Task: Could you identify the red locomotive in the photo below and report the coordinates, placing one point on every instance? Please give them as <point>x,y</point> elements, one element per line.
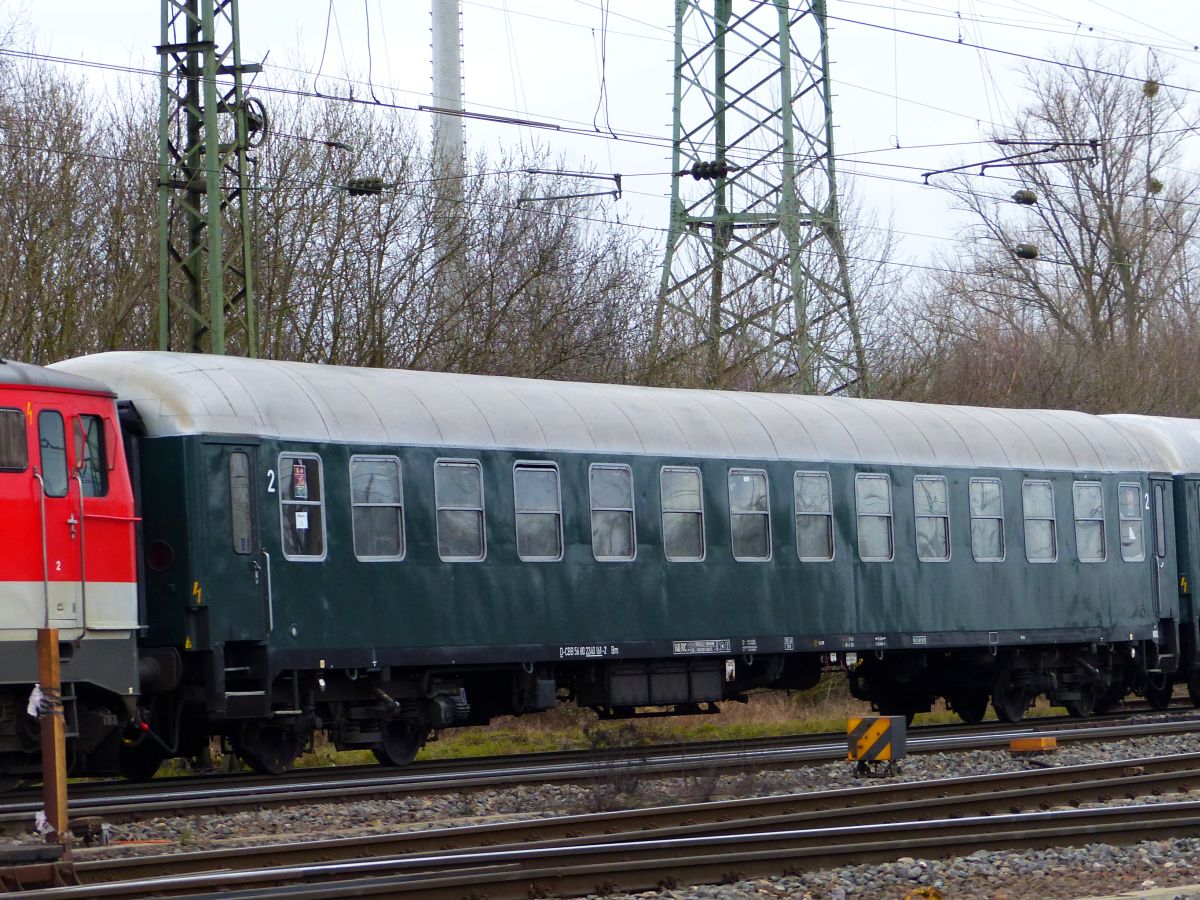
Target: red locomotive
<point>68,562</point>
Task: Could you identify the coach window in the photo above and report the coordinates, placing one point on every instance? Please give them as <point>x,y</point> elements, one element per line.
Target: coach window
<point>611,490</point>
<point>14,446</point>
<point>1160,521</point>
<point>239,501</point>
<point>873,499</point>
<point>1041,537</point>
<point>1133,543</point>
<point>987,519</point>
<point>932,518</point>
<point>682,513</point>
<point>53,439</point>
<point>1088,498</point>
<point>814,516</point>
<point>458,493</point>
<point>377,504</point>
<point>302,506</point>
<point>539,512</point>
<point>89,455</point>
<point>749,515</point>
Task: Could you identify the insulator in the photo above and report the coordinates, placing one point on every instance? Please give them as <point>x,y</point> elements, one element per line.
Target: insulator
<point>358,187</point>
<point>697,170</point>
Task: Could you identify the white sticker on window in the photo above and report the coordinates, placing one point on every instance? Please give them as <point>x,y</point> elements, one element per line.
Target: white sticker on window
<point>302,520</point>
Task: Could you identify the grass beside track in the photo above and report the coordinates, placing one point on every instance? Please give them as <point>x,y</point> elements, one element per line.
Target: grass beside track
<point>822,709</point>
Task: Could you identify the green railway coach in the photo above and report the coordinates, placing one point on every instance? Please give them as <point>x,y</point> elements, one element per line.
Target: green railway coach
<point>380,553</point>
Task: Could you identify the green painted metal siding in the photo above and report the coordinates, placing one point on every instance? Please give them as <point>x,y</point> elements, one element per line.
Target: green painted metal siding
<point>503,602</point>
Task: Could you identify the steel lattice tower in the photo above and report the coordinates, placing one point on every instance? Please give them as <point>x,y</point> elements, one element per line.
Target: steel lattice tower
<point>756,268</point>
<point>205,277</point>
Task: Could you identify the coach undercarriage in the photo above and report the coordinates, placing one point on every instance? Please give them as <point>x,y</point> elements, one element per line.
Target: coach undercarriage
<point>1086,679</point>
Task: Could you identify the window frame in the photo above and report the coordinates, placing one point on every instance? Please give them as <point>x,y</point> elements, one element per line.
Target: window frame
<point>828,516</point>
<point>1053,520</point>
<point>1077,519</point>
<point>482,509</point>
<point>918,516</point>
<point>890,516</point>
<point>400,506</point>
<point>663,511</point>
<point>283,501</point>
<point>632,510</point>
<point>545,465</point>
<point>741,470</point>
<point>20,417</point>
<point>85,444</point>
<point>1122,519</point>
<point>1000,518</point>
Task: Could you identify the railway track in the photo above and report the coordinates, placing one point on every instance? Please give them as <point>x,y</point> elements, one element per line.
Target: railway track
<point>694,843</point>
<point>120,801</point>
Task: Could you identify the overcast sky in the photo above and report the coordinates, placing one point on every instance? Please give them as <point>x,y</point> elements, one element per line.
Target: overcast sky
<point>905,75</point>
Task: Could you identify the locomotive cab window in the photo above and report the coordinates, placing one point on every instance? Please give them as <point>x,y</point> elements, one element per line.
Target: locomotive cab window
<point>14,446</point>
<point>1132,528</point>
<point>458,493</point>
<point>814,516</point>
<point>539,512</point>
<point>987,519</point>
<point>682,513</point>
<point>873,502</point>
<point>302,506</point>
<point>377,507</point>
<point>1041,531</point>
<point>89,455</point>
<point>610,488</point>
<point>1088,499</point>
<point>749,515</point>
<point>52,438</point>
<point>932,510</point>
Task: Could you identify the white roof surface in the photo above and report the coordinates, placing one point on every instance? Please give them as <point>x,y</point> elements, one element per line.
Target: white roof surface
<point>180,393</point>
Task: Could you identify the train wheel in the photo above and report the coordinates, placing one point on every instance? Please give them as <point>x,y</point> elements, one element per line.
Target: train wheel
<point>1194,687</point>
<point>971,707</point>
<point>140,761</point>
<point>401,741</point>
<point>1085,705</point>
<point>1159,696</point>
<point>267,749</point>
<point>1009,702</point>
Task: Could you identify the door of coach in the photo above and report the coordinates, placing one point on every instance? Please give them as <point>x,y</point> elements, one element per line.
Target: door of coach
<point>1166,591</point>
<point>239,568</point>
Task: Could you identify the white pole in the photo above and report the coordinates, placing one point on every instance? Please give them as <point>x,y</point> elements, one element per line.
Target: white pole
<point>447,86</point>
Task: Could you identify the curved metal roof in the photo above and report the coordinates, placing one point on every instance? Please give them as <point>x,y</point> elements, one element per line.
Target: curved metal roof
<point>1176,441</point>
<point>189,394</point>
<point>24,374</point>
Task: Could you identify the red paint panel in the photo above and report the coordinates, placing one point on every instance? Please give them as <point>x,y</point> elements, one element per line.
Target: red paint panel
<point>102,526</point>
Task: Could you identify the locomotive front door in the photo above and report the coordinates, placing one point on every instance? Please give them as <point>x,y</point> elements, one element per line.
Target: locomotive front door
<point>60,515</point>
<point>239,567</point>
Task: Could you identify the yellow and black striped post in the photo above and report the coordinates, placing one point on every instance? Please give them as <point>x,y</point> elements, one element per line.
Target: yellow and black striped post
<point>876,739</point>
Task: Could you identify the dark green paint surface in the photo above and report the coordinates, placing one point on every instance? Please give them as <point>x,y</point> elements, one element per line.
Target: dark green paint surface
<point>422,602</point>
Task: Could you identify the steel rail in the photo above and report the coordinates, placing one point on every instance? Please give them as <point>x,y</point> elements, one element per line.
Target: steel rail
<point>300,777</point>
<point>632,864</point>
<point>133,802</point>
<point>874,803</point>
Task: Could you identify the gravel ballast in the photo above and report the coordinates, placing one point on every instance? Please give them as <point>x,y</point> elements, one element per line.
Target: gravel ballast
<point>1060,872</point>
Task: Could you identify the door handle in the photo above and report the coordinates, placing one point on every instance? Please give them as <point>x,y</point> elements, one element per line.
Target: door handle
<point>256,569</point>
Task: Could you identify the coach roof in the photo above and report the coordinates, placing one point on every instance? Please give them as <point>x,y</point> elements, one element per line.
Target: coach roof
<point>179,394</point>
